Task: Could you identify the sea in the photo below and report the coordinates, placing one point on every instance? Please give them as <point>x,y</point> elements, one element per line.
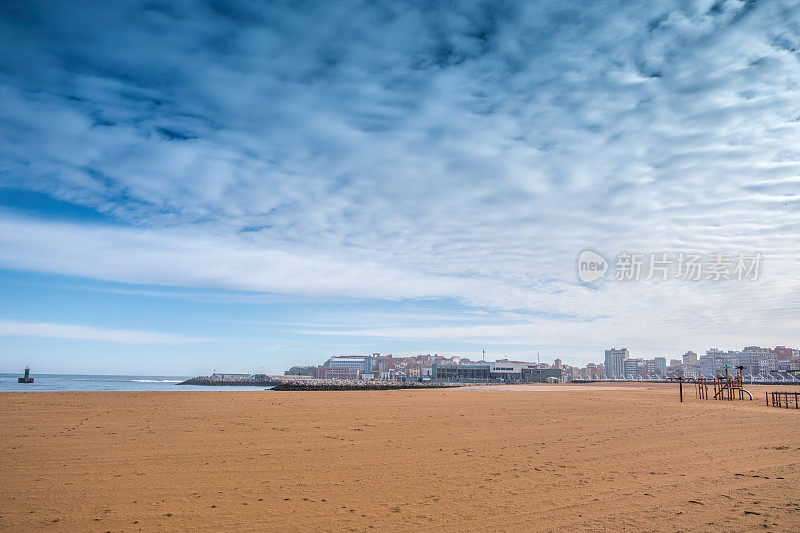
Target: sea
<point>76,382</point>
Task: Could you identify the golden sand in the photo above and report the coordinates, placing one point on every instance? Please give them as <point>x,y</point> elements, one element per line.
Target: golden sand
<point>514,458</point>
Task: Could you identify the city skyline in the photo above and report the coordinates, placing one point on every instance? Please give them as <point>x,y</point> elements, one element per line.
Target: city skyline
<point>195,185</point>
<point>780,363</point>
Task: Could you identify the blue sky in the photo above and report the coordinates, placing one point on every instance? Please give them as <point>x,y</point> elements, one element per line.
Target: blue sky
<point>188,186</point>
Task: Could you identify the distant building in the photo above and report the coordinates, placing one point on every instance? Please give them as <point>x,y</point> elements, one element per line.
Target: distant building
<point>571,373</point>
<point>338,372</point>
<point>715,361</point>
<point>362,363</point>
<point>466,372</point>
<point>690,358</point>
<point>630,368</point>
<point>541,375</point>
<point>509,371</point>
<point>660,365</point>
<point>558,364</point>
<point>414,371</point>
<point>762,360</point>
<point>593,371</point>
<point>710,362</point>
<point>783,353</point>
<point>305,371</point>
<point>614,362</point>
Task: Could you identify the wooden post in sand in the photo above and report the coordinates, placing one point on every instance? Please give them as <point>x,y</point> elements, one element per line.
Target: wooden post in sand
<point>740,381</point>
<point>702,389</point>
<point>680,380</point>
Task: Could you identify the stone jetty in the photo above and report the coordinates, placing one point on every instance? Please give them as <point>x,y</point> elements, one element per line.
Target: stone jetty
<point>337,384</point>
<point>213,381</point>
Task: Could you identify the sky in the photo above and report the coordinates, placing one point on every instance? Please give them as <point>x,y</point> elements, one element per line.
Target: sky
<point>191,186</point>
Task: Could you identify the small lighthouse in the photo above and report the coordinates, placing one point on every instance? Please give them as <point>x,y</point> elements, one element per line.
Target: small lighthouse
<point>27,377</point>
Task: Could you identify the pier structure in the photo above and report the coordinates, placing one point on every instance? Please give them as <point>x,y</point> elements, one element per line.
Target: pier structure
<point>27,377</point>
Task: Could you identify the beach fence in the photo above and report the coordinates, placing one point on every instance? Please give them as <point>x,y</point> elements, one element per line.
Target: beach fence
<point>788,400</point>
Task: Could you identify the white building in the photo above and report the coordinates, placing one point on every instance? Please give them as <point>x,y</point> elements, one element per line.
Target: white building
<point>509,370</point>
<point>614,364</point>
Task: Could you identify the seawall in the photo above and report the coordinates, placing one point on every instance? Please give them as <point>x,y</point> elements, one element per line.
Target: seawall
<point>211,382</point>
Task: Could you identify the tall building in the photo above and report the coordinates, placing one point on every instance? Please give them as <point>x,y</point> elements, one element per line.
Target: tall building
<point>690,358</point>
<point>715,361</point>
<point>710,362</point>
<point>614,364</point>
<point>630,367</point>
<point>761,360</point>
<point>660,365</point>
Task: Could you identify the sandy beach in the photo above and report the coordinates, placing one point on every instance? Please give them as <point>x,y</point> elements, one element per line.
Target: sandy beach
<point>588,457</point>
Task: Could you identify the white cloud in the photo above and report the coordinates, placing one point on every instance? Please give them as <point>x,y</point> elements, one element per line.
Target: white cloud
<point>464,152</point>
<point>88,333</point>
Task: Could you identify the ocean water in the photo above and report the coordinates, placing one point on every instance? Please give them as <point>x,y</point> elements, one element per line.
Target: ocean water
<point>75,382</point>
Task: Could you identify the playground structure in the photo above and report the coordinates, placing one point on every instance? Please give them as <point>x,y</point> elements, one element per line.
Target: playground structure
<point>731,388</point>
<point>783,399</point>
<point>724,387</point>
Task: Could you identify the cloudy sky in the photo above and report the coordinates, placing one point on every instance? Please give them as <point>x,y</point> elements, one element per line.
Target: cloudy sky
<point>188,186</point>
